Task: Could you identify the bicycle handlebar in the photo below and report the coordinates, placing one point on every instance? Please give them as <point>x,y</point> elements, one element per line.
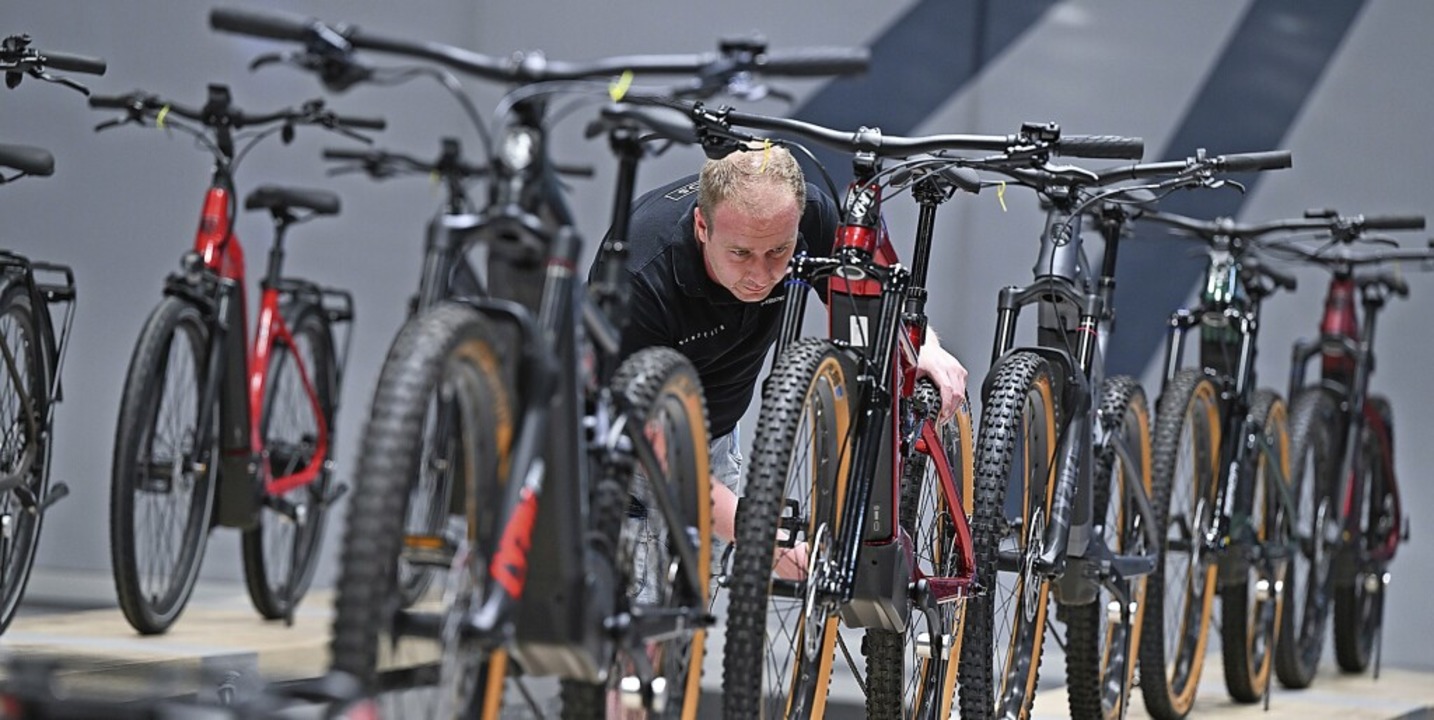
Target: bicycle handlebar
<point>534,67</point>
<point>312,112</point>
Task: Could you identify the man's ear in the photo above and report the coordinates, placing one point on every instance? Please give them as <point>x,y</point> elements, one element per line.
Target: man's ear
<point>699,226</point>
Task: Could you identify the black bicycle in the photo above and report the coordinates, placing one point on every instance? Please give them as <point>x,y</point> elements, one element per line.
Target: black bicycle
<point>549,466</point>
<point>1222,461</point>
<point>32,352</point>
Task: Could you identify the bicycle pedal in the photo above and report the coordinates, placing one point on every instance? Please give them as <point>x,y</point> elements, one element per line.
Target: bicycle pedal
<point>59,491</point>
<point>428,550</point>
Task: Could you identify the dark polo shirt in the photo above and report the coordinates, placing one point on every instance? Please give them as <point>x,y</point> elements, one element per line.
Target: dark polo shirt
<point>675,304</point>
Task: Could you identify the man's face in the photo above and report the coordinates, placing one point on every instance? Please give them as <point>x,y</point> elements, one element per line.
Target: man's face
<point>747,253</point>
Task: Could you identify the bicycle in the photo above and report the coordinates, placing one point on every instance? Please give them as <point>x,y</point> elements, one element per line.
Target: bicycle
<point>1221,461</point>
<point>1063,489</point>
<point>560,450</point>
<point>32,353</point>
<point>211,433</point>
<point>1343,435</point>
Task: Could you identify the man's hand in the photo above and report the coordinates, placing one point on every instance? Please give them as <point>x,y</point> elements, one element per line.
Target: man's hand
<point>945,370</point>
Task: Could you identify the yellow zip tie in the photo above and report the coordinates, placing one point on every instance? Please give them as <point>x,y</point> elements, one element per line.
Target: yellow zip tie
<point>1001,195</point>
<point>159,119</point>
<point>620,86</point>
<point>766,154</point>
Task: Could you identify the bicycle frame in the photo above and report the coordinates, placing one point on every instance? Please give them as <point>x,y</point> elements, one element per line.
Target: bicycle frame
<point>876,314</point>
<point>1070,556</point>
<point>215,280</point>
<point>1347,359</point>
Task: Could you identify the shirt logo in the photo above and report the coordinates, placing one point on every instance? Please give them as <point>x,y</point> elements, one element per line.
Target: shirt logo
<point>702,335</point>
<point>683,191</point>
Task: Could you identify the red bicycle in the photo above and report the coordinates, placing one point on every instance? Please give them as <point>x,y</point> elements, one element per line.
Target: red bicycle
<point>209,433</point>
<point>1342,437</point>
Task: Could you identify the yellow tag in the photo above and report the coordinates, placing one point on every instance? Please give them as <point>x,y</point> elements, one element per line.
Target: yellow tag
<point>766,154</point>
<point>159,118</point>
<point>620,86</point>
<point>1001,195</point>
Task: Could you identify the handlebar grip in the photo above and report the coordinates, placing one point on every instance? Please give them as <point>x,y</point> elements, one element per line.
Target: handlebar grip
<point>1249,162</point>
<point>1113,147</point>
<point>109,102</point>
<point>801,62</point>
<point>341,154</point>
<point>1394,222</point>
<point>361,123</point>
<point>74,63</point>
<point>269,24</point>
<point>582,171</point>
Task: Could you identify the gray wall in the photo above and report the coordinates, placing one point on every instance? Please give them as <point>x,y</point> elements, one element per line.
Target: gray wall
<point>1117,66</point>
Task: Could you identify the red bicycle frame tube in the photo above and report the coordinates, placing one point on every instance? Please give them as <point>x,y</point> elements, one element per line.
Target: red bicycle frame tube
<point>222,253</point>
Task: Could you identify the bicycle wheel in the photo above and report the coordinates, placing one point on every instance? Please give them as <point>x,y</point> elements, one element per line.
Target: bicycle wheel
<point>443,357</point>
<point>1015,451</point>
<point>661,393</point>
<point>913,674</point>
<point>779,646</point>
<point>1185,475</point>
<point>1359,590</point>
<point>1103,637</point>
<point>1250,610</point>
<point>281,550</point>
<point>24,446</point>
<point>162,482</point>
<point>1314,472</point>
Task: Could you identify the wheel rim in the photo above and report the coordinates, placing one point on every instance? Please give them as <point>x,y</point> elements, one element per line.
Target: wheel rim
<point>168,494</point>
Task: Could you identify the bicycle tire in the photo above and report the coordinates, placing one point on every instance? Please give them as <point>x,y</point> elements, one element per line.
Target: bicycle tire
<point>660,391</point>
<point>907,678</point>
<point>1314,472</point>
<point>999,673</point>
<point>19,330</point>
<point>808,379</point>
<point>446,354</point>
<point>173,326</point>
<point>1172,658</point>
<point>1250,611</point>
<point>1359,587</point>
<point>1102,637</point>
<point>281,550</point>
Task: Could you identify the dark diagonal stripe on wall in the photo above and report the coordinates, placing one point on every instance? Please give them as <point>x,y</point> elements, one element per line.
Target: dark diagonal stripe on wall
<point>921,60</point>
<point>1249,101</point>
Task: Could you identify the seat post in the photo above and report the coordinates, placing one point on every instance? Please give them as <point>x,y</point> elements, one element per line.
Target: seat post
<point>282,219</point>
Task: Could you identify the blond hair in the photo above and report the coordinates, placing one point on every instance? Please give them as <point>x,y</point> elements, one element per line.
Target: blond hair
<point>732,178</point>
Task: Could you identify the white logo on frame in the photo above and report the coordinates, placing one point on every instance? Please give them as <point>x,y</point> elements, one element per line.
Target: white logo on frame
<point>858,330</point>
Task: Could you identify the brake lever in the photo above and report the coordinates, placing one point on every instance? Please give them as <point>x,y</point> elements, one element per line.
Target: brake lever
<point>347,132</point>
<point>59,80</point>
